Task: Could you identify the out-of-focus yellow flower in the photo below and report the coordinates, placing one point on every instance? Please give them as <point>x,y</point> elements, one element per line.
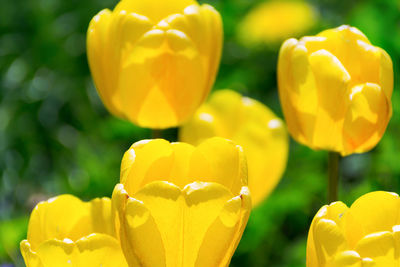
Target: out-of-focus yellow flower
<point>335,90</point>
<point>64,231</point>
<point>274,21</point>
<point>249,123</point>
<point>155,61</point>
<point>180,205</point>
<point>366,234</point>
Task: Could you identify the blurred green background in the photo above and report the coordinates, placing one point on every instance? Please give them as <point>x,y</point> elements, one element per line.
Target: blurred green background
<point>56,137</point>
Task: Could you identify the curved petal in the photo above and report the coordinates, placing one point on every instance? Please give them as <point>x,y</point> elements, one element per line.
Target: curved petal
<point>366,119</point>
<point>373,212</point>
<point>351,258</point>
<point>332,213</point>
<point>102,62</point>
<point>119,201</point>
<point>332,81</point>
<point>386,73</point>
<point>156,89</point>
<point>219,160</point>
<point>92,250</point>
<point>56,252</point>
<point>31,259</point>
<point>227,106</point>
<point>203,125</point>
<point>165,225</point>
<point>138,159</point>
<point>64,216</point>
<point>153,9</point>
<point>100,250</point>
<point>329,239</point>
<point>286,84</point>
<point>380,247</point>
<point>203,24</point>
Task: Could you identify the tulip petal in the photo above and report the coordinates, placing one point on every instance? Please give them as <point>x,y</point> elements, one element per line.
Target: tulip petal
<point>366,118</point>
<point>110,35</point>
<point>379,247</point>
<point>155,10</point>
<point>221,161</point>
<point>66,216</point>
<point>332,82</point>
<point>31,258</point>
<point>134,168</point>
<point>92,250</point>
<point>329,239</point>
<point>202,126</point>
<point>203,25</point>
<point>99,59</point>
<point>286,85</point>
<point>100,250</point>
<point>265,143</point>
<point>100,214</point>
<point>386,73</point>
<point>167,225</point>
<point>373,212</point>
<point>304,94</point>
<point>333,213</point>
<point>218,242</point>
<point>350,258</point>
<point>150,92</point>
<point>58,253</point>
<point>61,217</point>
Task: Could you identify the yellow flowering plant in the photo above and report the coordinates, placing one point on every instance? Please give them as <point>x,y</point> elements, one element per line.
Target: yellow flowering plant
<point>335,89</point>
<point>64,231</point>
<point>180,205</point>
<point>154,62</point>
<point>366,234</point>
<point>249,123</point>
<point>271,22</point>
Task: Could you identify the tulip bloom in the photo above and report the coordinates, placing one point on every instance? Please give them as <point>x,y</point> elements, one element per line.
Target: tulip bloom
<point>154,62</point>
<point>249,123</point>
<point>366,234</point>
<point>274,21</point>
<point>335,89</point>
<point>180,205</point>
<point>64,231</point>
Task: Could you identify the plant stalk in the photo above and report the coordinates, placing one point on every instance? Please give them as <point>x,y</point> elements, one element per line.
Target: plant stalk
<point>333,176</point>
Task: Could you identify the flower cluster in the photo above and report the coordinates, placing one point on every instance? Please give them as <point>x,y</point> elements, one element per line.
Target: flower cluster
<point>187,203</point>
<point>176,205</point>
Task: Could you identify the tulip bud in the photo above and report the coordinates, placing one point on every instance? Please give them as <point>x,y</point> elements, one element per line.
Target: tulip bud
<point>249,123</point>
<point>180,205</point>
<point>335,89</point>
<point>64,231</point>
<point>366,234</point>
<point>154,62</point>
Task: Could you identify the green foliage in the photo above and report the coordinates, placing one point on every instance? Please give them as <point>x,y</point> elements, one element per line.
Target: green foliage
<point>56,137</point>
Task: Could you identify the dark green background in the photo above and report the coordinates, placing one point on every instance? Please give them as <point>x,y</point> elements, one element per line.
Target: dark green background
<point>56,137</point>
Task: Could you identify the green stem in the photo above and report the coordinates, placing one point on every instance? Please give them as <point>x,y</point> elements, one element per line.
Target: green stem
<point>333,176</point>
<point>156,133</point>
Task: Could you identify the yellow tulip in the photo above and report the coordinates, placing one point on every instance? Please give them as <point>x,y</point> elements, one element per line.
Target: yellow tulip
<point>64,231</point>
<point>335,89</point>
<point>154,62</point>
<point>180,205</point>
<point>366,234</point>
<point>274,21</point>
<point>249,123</point>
